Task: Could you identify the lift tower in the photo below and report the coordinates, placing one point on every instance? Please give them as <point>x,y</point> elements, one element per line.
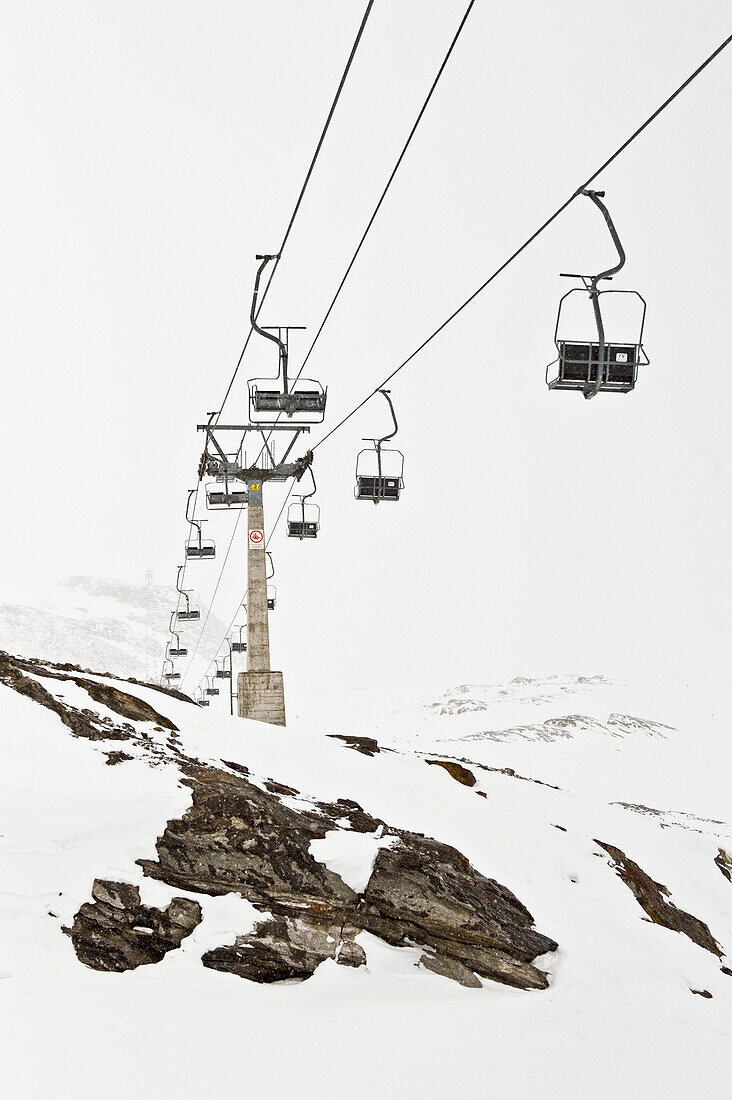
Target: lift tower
<point>260,690</point>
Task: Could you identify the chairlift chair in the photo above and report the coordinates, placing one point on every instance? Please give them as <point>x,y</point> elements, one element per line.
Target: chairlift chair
<point>222,494</point>
<point>303,520</point>
<point>176,650</point>
<point>190,613</point>
<point>198,547</point>
<point>238,645</point>
<point>173,674</point>
<point>202,700</point>
<point>222,672</point>
<point>271,597</point>
<point>211,688</point>
<point>594,363</point>
<point>379,470</point>
<point>304,399</point>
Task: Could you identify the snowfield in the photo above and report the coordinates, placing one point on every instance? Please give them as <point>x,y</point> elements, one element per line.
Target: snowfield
<point>619,1016</point>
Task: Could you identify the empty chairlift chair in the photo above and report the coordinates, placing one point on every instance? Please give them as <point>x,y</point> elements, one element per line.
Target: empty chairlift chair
<point>303,400</point>
<point>271,590</point>
<point>222,672</point>
<point>175,649</point>
<point>589,358</point>
<point>211,688</point>
<point>303,519</point>
<point>196,546</point>
<point>238,643</point>
<point>202,700</point>
<point>223,494</point>
<point>188,613</point>
<point>172,675</point>
<point>380,470</point>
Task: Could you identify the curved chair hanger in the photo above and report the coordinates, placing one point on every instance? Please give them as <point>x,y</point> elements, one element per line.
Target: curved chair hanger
<point>596,197</point>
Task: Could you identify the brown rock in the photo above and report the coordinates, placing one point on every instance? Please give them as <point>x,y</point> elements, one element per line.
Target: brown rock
<point>652,895</point>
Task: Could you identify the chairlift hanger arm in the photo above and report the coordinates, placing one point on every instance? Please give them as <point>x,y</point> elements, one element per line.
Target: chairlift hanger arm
<point>597,197</point>
<point>306,496</point>
<point>263,331</point>
<point>384,438</point>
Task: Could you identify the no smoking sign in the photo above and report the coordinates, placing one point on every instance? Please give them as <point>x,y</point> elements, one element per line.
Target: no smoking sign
<point>256,538</point>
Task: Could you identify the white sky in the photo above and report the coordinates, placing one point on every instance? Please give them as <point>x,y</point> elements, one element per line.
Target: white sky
<point>152,148</point>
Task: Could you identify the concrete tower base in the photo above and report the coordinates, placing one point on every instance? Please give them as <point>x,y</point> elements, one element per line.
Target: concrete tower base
<point>261,696</point>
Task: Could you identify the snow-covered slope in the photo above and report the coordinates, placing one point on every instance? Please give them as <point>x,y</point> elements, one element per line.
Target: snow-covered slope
<point>627,1010</point>
<point>96,623</point>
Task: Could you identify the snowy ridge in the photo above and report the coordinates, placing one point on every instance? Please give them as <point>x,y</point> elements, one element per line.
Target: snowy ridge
<point>618,981</point>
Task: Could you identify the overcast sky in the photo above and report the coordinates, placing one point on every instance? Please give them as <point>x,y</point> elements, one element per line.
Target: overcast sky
<point>152,147</point>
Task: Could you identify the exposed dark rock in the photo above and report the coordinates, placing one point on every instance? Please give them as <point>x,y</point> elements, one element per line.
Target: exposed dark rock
<point>422,891</point>
<point>129,706</point>
<point>240,768</point>
<point>118,895</point>
<point>457,771</point>
<point>652,896</point>
<point>368,746</point>
<point>118,757</point>
<point>237,837</point>
<point>280,948</point>
<point>702,993</point>
<point>451,968</point>
<point>116,932</point>
<point>351,954</point>
<point>80,722</point>
<point>280,788</point>
<point>358,819</point>
<point>724,862</point>
<point>84,722</point>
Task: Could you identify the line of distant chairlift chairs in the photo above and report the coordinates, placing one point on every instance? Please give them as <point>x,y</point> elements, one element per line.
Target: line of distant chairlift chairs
<point>583,363</point>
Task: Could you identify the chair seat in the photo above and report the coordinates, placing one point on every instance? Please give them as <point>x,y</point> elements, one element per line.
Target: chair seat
<point>276,401</point>
<point>297,529</point>
<point>377,488</point>
<point>578,365</point>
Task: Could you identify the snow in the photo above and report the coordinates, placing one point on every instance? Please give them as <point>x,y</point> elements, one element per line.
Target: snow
<point>350,855</point>
<point>619,1016</point>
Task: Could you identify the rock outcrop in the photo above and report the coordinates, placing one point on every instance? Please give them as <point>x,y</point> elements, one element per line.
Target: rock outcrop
<point>724,862</point>
<point>117,932</point>
<point>651,896</point>
<point>237,837</point>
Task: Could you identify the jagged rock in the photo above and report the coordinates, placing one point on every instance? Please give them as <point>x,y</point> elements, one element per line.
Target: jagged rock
<point>116,932</point>
<point>422,891</point>
<point>279,948</point>
<point>351,954</point>
<point>457,771</point>
<point>451,968</point>
<point>651,897</point>
<point>120,895</point>
<point>118,757</point>
<point>368,746</point>
<point>238,837</point>
<point>355,815</point>
<point>82,722</point>
<point>724,862</point>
